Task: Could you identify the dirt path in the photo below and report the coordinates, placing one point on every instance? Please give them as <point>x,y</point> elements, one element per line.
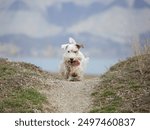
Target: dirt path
<point>66,96</point>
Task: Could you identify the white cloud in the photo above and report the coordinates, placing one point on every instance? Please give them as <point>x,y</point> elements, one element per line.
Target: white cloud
<point>130,2</point>
<point>43,4</point>
<point>89,2</point>
<point>48,51</point>
<point>117,24</point>
<point>4,4</point>
<point>148,1</point>
<point>31,23</point>
<point>9,49</point>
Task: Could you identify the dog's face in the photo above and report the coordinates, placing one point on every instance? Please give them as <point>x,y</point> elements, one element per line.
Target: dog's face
<point>72,54</point>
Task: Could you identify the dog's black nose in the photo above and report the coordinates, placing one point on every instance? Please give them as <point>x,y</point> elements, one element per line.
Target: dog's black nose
<point>71,59</point>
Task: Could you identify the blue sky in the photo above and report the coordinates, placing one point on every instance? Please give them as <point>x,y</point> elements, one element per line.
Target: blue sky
<point>107,28</point>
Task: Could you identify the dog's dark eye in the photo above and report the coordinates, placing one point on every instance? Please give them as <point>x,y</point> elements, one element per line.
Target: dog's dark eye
<point>68,51</point>
<point>75,51</point>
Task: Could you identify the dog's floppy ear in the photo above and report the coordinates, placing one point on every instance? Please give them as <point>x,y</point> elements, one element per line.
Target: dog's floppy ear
<point>64,46</point>
<point>79,46</point>
<point>71,40</point>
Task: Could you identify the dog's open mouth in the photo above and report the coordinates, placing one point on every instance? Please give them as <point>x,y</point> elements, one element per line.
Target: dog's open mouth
<point>74,62</point>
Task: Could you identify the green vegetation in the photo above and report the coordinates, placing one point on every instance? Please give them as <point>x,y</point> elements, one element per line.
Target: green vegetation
<point>125,87</point>
<point>19,87</point>
<point>23,100</point>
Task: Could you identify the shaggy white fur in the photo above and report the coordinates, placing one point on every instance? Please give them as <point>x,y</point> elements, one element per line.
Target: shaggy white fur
<point>73,62</point>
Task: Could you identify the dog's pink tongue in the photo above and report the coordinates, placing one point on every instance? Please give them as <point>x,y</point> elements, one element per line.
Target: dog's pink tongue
<point>76,63</point>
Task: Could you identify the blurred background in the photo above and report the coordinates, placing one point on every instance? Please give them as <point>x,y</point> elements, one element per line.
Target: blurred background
<point>33,30</point>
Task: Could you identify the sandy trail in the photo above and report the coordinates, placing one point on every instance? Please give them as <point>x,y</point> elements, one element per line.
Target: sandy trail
<point>67,96</point>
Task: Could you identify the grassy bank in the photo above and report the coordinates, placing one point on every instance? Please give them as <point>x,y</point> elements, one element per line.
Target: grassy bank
<point>19,84</point>
<point>125,87</point>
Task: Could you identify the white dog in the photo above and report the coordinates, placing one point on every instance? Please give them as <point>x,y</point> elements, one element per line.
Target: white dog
<point>74,62</point>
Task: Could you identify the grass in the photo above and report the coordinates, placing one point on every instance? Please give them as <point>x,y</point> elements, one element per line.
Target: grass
<point>19,87</point>
<point>110,102</point>
<point>107,93</point>
<point>23,100</point>
<point>7,70</point>
<point>126,86</point>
